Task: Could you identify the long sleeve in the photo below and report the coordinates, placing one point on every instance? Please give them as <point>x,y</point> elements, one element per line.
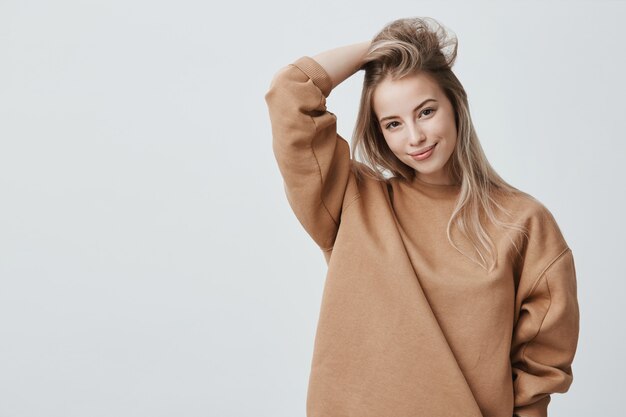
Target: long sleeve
<point>545,337</point>
<point>313,159</point>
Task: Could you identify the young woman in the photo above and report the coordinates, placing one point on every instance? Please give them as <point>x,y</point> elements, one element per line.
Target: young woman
<point>449,292</point>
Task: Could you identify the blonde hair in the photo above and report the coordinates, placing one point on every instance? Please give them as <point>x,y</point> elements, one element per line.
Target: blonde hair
<point>404,47</point>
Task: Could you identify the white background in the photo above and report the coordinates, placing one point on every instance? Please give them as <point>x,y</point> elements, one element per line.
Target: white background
<point>149,262</point>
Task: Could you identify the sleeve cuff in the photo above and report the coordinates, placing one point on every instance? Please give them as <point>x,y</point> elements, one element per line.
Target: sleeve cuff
<point>316,73</point>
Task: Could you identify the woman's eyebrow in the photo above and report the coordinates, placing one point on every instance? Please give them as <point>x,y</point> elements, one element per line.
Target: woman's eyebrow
<point>416,108</point>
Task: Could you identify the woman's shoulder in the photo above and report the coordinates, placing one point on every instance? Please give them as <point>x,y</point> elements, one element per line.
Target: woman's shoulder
<point>520,201</point>
<point>532,213</point>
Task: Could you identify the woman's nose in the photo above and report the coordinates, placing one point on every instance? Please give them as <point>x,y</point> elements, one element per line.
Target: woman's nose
<point>416,134</point>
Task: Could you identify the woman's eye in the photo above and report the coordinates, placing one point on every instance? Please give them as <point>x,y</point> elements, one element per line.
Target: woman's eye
<point>389,124</point>
<point>429,109</point>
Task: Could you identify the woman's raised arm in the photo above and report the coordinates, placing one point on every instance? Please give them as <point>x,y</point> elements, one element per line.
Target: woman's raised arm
<point>340,63</point>
<point>313,159</point>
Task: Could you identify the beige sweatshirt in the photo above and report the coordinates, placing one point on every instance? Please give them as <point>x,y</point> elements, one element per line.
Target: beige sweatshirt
<point>408,326</point>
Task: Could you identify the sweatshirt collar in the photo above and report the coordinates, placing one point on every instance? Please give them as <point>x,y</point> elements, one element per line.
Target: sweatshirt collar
<point>436,190</point>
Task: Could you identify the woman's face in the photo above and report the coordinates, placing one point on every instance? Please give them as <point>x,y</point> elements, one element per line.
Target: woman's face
<point>414,114</point>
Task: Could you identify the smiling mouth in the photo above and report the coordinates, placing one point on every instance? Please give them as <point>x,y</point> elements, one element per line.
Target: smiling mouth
<point>422,151</point>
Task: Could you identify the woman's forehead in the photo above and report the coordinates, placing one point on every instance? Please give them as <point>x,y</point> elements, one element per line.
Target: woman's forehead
<point>391,95</point>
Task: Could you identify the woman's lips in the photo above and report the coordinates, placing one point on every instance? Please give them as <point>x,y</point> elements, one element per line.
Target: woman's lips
<point>422,156</point>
